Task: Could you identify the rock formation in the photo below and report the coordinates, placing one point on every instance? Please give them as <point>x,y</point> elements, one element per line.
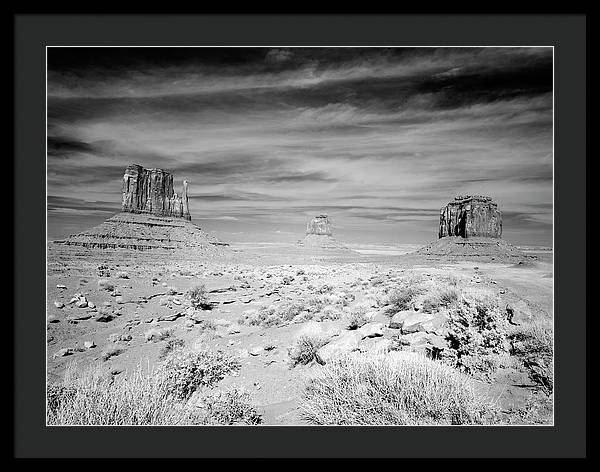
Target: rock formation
<point>151,191</point>
<point>319,235</point>
<point>471,216</point>
<point>471,228</point>
<point>319,225</point>
<point>153,217</point>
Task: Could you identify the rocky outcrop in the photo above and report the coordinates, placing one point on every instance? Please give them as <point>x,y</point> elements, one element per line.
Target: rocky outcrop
<point>154,217</point>
<point>151,191</point>
<point>143,232</point>
<point>471,216</point>
<point>319,235</point>
<point>319,225</point>
<point>471,229</point>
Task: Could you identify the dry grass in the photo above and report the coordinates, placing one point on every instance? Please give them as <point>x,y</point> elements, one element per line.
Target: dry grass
<point>440,297</point>
<point>393,389</point>
<point>356,318</point>
<point>304,350</point>
<point>150,397</point>
<point>198,297</point>
<point>533,344</point>
<point>401,298</point>
<point>477,335</point>
<point>95,398</point>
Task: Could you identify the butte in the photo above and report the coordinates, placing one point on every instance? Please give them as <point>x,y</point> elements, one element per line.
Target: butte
<point>153,218</point>
<point>470,228</point>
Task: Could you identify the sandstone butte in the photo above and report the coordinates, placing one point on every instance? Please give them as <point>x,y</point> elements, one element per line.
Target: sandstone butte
<point>151,191</point>
<point>470,227</point>
<point>319,235</point>
<point>153,216</point>
<point>471,216</point>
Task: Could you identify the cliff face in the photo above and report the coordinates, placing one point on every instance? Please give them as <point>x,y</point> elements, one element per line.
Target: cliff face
<point>151,191</point>
<point>471,216</point>
<point>319,225</point>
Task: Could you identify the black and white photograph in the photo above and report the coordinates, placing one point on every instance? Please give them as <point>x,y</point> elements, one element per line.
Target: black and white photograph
<point>300,235</point>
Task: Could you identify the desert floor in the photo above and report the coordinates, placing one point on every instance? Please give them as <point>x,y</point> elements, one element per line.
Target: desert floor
<point>149,293</point>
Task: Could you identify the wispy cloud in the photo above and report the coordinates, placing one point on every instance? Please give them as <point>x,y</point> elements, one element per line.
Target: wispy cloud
<point>271,136</point>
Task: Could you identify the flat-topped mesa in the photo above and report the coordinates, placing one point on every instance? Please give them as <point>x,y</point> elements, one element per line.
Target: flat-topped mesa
<point>471,216</point>
<point>151,191</point>
<point>319,225</point>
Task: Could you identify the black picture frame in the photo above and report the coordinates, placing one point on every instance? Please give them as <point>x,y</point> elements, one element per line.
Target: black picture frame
<point>567,438</point>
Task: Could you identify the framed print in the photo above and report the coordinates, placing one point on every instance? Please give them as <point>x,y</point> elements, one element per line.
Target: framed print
<point>278,238</point>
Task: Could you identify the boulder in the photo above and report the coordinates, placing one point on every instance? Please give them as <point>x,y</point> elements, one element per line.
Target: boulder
<point>371,330</point>
<point>343,344</point>
<point>417,322</point>
<point>397,320</point>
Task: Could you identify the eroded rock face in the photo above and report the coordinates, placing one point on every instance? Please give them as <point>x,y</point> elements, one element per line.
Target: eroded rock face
<point>319,225</point>
<point>151,191</point>
<point>471,216</point>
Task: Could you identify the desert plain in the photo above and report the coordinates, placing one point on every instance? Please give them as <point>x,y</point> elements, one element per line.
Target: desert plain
<point>281,314</point>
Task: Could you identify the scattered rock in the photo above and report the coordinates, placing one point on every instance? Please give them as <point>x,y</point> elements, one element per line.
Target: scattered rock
<point>59,304</point>
<point>105,317</point>
<point>65,351</point>
<point>345,343</point>
<point>397,320</point>
<point>416,322</point>
<point>233,329</point>
<point>89,344</point>
<point>371,330</point>
<point>256,351</point>
<point>243,353</point>
<point>172,317</point>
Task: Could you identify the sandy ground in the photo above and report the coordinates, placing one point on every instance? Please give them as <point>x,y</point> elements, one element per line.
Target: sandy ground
<point>252,276</point>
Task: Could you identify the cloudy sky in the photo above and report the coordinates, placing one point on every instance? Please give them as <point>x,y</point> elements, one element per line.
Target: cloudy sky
<point>378,138</point>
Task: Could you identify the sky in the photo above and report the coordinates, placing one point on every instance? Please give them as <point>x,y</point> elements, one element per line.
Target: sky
<point>379,139</point>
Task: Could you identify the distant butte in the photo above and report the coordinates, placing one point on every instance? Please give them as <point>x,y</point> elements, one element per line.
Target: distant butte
<point>471,216</point>
<point>153,216</point>
<point>470,228</point>
<point>319,235</point>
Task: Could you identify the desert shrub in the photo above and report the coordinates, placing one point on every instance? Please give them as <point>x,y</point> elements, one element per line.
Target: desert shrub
<point>532,343</point>
<point>536,410</point>
<point>393,389</point>
<point>328,313</point>
<point>378,280</point>
<point>198,297</point>
<point>356,318</point>
<point>208,325</point>
<point>400,299</point>
<point>172,291</point>
<point>228,408</point>
<point>170,346</point>
<point>187,370</point>
<point>304,350</point>
<point>104,284</point>
<point>325,288</point>
<point>57,395</point>
<point>440,298</point>
<point>111,352</point>
<point>156,335</point>
<point>284,313</point>
<point>94,398</point>
<point>477,334</point>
